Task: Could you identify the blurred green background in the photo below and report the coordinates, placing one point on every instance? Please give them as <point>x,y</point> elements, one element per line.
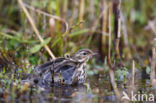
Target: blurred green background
<point>19,45</point>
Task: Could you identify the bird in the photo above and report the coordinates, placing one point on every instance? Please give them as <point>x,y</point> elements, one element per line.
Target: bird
<point>68,70</point>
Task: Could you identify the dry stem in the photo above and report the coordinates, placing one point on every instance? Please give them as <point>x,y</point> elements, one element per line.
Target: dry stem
<point>109,32</point>
<point>34,27</point>
<point>112,77</point>
<point>153,67</point>
<point>133,74</point>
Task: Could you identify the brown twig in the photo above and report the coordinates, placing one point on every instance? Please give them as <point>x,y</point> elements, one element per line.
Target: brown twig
<point>51,26</point>
<point>112,77</point>
<point>34,27</point>
<point>132,87</point>
<point>103,27</point>
<point>133,74</point>
<point>153,67</point>
<point>81,11</point>
<point>109,32</point>
<point>81,15</point>
<point>117,25</point>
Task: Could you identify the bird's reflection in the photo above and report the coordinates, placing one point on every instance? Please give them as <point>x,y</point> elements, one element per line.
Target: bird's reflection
<point>63,93</point>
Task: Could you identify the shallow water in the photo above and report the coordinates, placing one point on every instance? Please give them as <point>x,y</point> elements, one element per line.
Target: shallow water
<point>97,89</point>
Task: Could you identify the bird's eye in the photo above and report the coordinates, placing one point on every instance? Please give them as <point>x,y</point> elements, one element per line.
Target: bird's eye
<point>84,53</point>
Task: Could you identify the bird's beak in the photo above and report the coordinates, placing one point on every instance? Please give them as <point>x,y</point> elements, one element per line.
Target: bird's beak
<point>93,54</point>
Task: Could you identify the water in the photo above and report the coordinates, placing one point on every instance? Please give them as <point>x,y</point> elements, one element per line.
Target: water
<point>94,90</point>
<point>97,89</point>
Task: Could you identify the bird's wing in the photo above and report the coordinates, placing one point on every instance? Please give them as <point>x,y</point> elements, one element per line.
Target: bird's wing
<point>64,65</point>
<point>42,68</point>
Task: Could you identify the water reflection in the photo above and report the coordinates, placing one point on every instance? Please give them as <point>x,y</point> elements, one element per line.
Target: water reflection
<point>95,91</point>
<point>67,94</point>
<point>63,94</point>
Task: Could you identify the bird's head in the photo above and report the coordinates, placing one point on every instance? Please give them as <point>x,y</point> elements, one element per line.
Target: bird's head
<point>83,55</point>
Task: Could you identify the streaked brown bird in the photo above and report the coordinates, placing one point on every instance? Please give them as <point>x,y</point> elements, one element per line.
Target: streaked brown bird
<point>65,70</point>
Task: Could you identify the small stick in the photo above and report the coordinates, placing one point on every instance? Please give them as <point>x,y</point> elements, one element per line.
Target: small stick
<point>116,90</point>
<point>153,66</point>
<point>133,74</point>
<point>51,27</point>
<point>34,28</point>
<point>103,27</point>
<point>109,32</point>
<point>81,12</point>
<point>117,26</point>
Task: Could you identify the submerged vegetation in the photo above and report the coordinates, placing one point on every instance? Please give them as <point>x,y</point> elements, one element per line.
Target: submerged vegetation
<point>122,32</point>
